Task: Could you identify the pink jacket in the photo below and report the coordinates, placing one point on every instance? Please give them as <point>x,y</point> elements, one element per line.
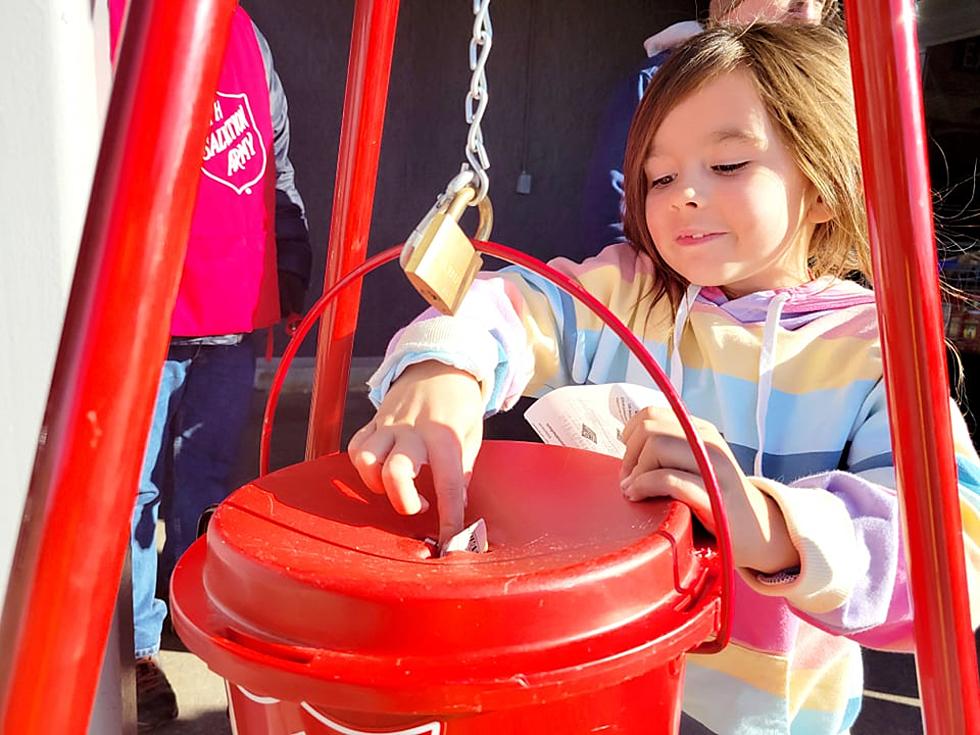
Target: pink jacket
<point>229,283</point>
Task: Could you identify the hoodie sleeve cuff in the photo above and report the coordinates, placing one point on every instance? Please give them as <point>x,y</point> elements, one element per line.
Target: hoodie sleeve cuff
<point>453,341</point>
<point>821,530</point>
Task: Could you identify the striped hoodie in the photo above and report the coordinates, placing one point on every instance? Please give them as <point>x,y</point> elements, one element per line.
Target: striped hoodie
<point>792,378</point>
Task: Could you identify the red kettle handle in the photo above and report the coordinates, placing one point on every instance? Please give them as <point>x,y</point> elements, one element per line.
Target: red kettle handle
<point>635,346</point>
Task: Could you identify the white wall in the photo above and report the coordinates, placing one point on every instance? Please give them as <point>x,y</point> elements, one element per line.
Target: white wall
<point>53,88</point>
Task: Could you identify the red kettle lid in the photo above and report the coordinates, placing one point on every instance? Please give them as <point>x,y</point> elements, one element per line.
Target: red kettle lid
<point>575,574</point>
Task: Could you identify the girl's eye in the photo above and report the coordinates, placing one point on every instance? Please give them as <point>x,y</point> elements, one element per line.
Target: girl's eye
<point>728,168</point>
<point>661,182</point>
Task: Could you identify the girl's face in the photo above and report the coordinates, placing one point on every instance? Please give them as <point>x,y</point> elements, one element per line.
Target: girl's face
<point>726,204</point>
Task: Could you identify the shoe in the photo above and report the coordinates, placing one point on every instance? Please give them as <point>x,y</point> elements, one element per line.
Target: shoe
<point>156,703</point>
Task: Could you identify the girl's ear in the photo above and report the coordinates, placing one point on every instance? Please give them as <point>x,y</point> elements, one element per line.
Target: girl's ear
<point>818,212</point>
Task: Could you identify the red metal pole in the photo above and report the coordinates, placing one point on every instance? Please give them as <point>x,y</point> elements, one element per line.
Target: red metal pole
<point>884,57</point>
<point>76,522</point>
<point>368,72</point>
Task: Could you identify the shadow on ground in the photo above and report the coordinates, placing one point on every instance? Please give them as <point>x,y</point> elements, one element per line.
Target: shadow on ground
<point>207,723</point>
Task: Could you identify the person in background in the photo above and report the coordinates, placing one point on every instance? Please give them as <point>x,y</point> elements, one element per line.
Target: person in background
<point>744,217</point>
<point>247,265</point>
<point>602,210</point>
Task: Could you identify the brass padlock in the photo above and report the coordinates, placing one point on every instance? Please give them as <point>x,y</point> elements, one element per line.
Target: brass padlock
<point>443,262</point>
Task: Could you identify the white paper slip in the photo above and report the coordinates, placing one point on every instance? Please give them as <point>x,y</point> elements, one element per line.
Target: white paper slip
<point>472,538</point>
<point>590,417</point>
<point>626,399</point>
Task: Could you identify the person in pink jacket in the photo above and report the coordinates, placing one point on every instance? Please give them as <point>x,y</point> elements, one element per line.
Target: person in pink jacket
<point>247,265</point>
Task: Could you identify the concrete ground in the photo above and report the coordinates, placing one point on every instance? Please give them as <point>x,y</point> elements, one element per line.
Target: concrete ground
<point>891,697</point>
<point>200,696</point>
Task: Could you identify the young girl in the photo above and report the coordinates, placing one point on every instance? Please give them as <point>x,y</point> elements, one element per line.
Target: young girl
<point>743,210</point>
<point>602,220</point>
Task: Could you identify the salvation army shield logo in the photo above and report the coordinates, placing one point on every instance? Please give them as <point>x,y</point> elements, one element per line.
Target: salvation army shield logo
<point>234,153</point>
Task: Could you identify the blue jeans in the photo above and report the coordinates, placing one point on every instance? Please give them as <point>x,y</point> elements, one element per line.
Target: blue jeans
<point>201,412</point>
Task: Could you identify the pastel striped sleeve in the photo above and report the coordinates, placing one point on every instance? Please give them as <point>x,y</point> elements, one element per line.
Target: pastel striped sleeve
<point>515,332</point>
<point>853,579</point>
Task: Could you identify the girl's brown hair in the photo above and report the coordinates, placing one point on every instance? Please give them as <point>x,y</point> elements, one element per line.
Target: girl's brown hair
<point>802,76</point>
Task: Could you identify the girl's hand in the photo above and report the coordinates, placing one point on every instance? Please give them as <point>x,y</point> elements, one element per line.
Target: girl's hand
<point>659,462</point>
<point>433,414</point>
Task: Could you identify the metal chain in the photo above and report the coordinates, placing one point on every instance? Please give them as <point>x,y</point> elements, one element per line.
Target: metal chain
<point>476,153</point>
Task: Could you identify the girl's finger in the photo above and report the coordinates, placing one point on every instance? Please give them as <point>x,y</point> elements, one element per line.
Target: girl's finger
<point>649,422</point>
<point>640,419</point>
<point>471,449</point>
<point>400,470</point>
<point>636,436</point>
<point>368,450</point>
<point>667,446</point>
<point>652,445</point>
<point>360,436</point>
<point>449,479</point>
<point>683,486</point>
<point>472,442</point>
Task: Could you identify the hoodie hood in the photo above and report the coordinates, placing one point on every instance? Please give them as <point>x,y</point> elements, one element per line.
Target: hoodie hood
<point>801,304</point>
<point>671,37</point>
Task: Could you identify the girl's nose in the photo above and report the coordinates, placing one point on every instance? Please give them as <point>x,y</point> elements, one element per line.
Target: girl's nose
<point>686,197</point>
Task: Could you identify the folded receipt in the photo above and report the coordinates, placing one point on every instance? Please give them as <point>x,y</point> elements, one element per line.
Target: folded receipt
<point>591,417</point>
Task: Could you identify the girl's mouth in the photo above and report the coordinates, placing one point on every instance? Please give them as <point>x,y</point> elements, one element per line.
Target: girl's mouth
<point>697,238</point>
